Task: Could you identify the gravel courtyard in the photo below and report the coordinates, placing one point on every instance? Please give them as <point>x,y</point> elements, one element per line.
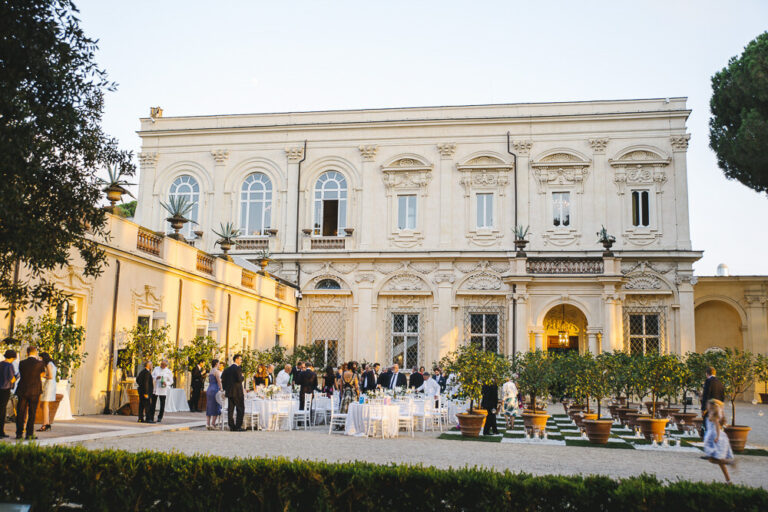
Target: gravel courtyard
<point>426,449</point>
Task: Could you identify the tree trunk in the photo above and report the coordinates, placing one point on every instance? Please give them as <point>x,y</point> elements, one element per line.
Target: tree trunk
<point>685,402</point>
<point>471,402</point>
<point>733,411</point>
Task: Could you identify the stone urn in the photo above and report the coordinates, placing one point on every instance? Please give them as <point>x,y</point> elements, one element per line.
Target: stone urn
<point>581,417</point>
<point>114,194</point>
<point>225,245</point>
<point>520,247</point>
<point>177,222</point>
<point>598,431</point>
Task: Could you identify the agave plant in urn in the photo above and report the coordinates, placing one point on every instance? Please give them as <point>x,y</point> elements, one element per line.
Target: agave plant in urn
<point>607,240</point>
<point>178,207</point>
<point>227,234</point>
<point>520,241</point>
<point>114,185</point>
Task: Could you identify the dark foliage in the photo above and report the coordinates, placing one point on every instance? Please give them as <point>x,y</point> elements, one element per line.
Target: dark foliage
<point>127,209</point>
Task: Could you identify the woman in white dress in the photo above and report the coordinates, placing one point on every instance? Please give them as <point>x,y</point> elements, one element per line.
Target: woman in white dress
<point>509,401</point>
<point>49,391</point>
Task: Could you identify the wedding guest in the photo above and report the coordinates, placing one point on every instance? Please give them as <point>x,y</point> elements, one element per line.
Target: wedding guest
<point>509,401</point>
<point>7,378</point>
<point>28,391</point>
<point>212,405</point>
<point>162,378</point>
<point>384,378</point>
<point>713,388</point>
<point>284,379</point>
<point>329,381</point>
<point>232,380</point>
<point>376,372</point>
<point>717,446</point>
<point>490,402</point>
<point>270,375</point>
<point>260,377</point>
<point>431,389</point>
<point>416,380</point>
<point>397,379</point>
<point>49,391</point>
<point>308,384</point>
<point>368,379</point>
<point>350,390</point>
<point>196,386</point>
<point>144,383</point>
<point>299,367</point>
<point>353,367</point>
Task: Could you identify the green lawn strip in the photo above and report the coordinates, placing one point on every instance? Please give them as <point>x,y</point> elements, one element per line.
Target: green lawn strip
<point>585,443</point>
<point>484,439</point>
<point>760,452</point>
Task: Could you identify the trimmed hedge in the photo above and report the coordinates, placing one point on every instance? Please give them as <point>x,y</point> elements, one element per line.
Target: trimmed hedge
<point>117,480</point>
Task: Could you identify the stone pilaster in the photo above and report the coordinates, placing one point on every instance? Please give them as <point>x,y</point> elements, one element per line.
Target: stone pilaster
<point>445,175</point>
<point>213,203</point>
<point>293,154</point>
<point>679,148</point>
<point>147,204</point>
<point>368,205</point>
<point>601,180</point>
<point>523,150</point>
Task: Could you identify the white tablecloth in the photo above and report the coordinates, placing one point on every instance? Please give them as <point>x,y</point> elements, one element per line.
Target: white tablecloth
<point>356,425</point>
<point>64,412</point>
<point>176,401</point>
<point>267,408</point>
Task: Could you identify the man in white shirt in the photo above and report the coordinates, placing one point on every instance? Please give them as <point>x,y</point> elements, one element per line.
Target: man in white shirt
<point>284,379</point>
<point>162,378</point>
<point>430,388</point>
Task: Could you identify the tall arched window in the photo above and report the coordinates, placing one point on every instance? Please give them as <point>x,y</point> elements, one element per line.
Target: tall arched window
<point>330,204</point>
<point>255,204</point>
<point>187,186</point>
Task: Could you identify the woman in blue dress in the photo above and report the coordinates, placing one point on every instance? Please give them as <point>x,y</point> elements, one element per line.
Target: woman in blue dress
<point>717,447</point>
<point>213,407</point>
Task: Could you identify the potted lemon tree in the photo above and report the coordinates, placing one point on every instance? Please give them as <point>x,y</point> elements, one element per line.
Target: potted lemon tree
<point>598,380</point>
<point>659,371</point>
<point>738,375</point>
<point>534,376</point>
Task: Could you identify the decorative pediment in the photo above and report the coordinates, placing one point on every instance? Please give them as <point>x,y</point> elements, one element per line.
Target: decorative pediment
<point>407,171</point>
<point>560,158</point>
<point>70,279</point>
<point>560,168</point>
<point>643,282</point>
<point>484,162</point>
<point>638,167</point>
<point>639,156</point>
<point>483,281</point>
<point>146,299</point>
<point>405,283</point>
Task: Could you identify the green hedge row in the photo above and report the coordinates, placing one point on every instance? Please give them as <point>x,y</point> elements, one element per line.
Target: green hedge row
<point>116,480</point>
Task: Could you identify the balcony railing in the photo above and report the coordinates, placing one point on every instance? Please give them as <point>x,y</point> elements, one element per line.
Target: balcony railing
<point>564,265</point>
<point>248,278</point>
<point>149,241</point>
<point>251,244</point>
<point>327,243</point>
<point>204,262</point>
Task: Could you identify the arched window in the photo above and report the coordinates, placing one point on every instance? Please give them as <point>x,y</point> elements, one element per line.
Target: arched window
<point>328,284</point>
<point>330,204</point>
<point>187,186</point>
<point>256,204</point>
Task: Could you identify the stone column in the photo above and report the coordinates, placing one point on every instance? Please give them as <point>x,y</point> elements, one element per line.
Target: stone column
<point>444,331</point>
<point>538,335</point>
<point>757,320</point>
<point>365,323</point>
<point>679,148</point>
<point>524,204</point>
<point>592,342</point>
<point>293,154</point>
<point>600,183</point>
<point>147,203</point>
<point>368,207</point>
<point>687,322</point>
<point>448,214</point>
<point>217,205</point>
<point>613,335</point>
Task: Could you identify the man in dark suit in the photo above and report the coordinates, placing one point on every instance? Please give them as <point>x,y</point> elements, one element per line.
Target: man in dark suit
<point>490,402</point>
<point>416,380</point>
<point>29,389</point>
<point>308,383</point>
<point>713,388</point>
<point>439,378</point>
<point>270,374</point>
<point>383,380</point>
<point>146,386</point>
<point>232,381</point>
<point>397,379</point>
<point>196,386</point>
<point>368,379</point>
<point>376,372</point>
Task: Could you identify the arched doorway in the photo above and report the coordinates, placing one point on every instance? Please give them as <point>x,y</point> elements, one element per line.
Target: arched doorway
<point>565,329</point>
<point>718,325</point>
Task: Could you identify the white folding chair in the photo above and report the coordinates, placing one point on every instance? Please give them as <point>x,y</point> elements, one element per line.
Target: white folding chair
<point>337,419</point>
<point>252,415</point>
<point>223,417</point>
<point>282,416</point>
<point>320,410</point>
<point>303,415</point>
<point>405,417</point>
<point>443,410</point>
<point>373,419</point>
<point>432,416</point>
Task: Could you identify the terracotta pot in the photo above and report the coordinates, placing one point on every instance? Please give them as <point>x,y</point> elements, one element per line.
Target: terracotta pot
<point>580,419</point>
<point>737,435</point>
<point>665,412</point>
<point>764,398</point>
<point>632,418</point>
<point>483,412</point>
<point>683,418</point>
<point>576,407</point>
<point>598,431</point>
<point>649,406</point>
<point>536,421</point>
<point>623,411</point>
<point>614,410</point>
<point>652,428</point>
<point>470,424</point>
<point>52,408</point>
<point>622,400</point>
<point>133,399</point>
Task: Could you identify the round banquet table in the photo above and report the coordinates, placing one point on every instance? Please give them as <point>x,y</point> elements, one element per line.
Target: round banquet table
<point>356,424</point>
<point>176,401</point>
<point>267,408</point>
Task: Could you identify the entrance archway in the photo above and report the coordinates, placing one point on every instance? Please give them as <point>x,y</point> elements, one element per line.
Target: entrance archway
<point>565,329</point>
<point>718,325</point>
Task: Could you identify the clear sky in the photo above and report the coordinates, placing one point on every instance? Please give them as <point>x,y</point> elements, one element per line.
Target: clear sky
<point>194,57</point>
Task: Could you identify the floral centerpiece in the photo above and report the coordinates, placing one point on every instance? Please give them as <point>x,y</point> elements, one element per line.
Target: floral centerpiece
<point>272,390</point>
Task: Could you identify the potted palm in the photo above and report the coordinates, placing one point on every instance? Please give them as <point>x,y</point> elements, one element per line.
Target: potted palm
<point>659,371</point>
<point>737,376</point>
<point>475,368</point>
<point>599,381</point>
<point>534,377</point>
<point>520,241</point>
<point>114,185</point>
<point>607,240</point>
<point>227,234</point>
<point>178,207</point>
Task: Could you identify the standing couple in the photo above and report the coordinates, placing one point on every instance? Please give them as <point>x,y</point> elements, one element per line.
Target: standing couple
<point>232,381</point>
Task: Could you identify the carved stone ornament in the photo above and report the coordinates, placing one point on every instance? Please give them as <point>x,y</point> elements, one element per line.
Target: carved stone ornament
<point>247,322</point>
<point>368,152</point>
<point>70,279</point>
<point>147,159</point>
<point>344,268</point>
<point>522,147</point>
<point>404,283</point>
<point>294,153</point>
<point>645,266</point>
<point>499,266</point>
<point>387,267</point>
<point>643,282</point>
<point>680,142</point>
<point>423,267</point>
<point>598,145</point>
<point>365,276</point>
<point>466,266</point>
<point>146,299</point>
<point>220,155</point>
<point>483,281</point>
<point>203,311</point>
<point>444,277</point>
<point>447,150</point>
<point>560,169</point>
<point>409,179</point>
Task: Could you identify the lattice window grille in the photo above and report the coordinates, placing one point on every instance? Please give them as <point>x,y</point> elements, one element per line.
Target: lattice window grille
<point>326,327</point>
<point>404,337</point>
<point>645,329</point>
<point>481,328</point>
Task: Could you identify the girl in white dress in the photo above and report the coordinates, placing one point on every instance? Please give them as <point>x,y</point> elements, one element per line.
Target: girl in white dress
<point>49,391</point>
<point>717,447</point>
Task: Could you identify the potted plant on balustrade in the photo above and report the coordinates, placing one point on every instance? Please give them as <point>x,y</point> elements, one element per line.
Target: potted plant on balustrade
<point>761,374</point>
<point>263,256</point>
<point>520,241</point>
<point>63,342</point>
<point>473,368</point>
<point>599,381</point>
<point>659,371</point>
<point>737,376</point>
<point>140,344</point>
<point>534,377</point>
<point>178,207</point>
<point>114,185</point>
<point>607,240</point>
<point>227,234</point>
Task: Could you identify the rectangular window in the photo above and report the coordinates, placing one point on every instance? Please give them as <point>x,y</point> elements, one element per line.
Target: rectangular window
<point>484,210</point>
<point>644,334</point>
<point>561,206</point>
<point>484,331</point>
<point>406,212</point>
<point>640,208</point>
<point>405,339</point>
<point>329,349</point>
